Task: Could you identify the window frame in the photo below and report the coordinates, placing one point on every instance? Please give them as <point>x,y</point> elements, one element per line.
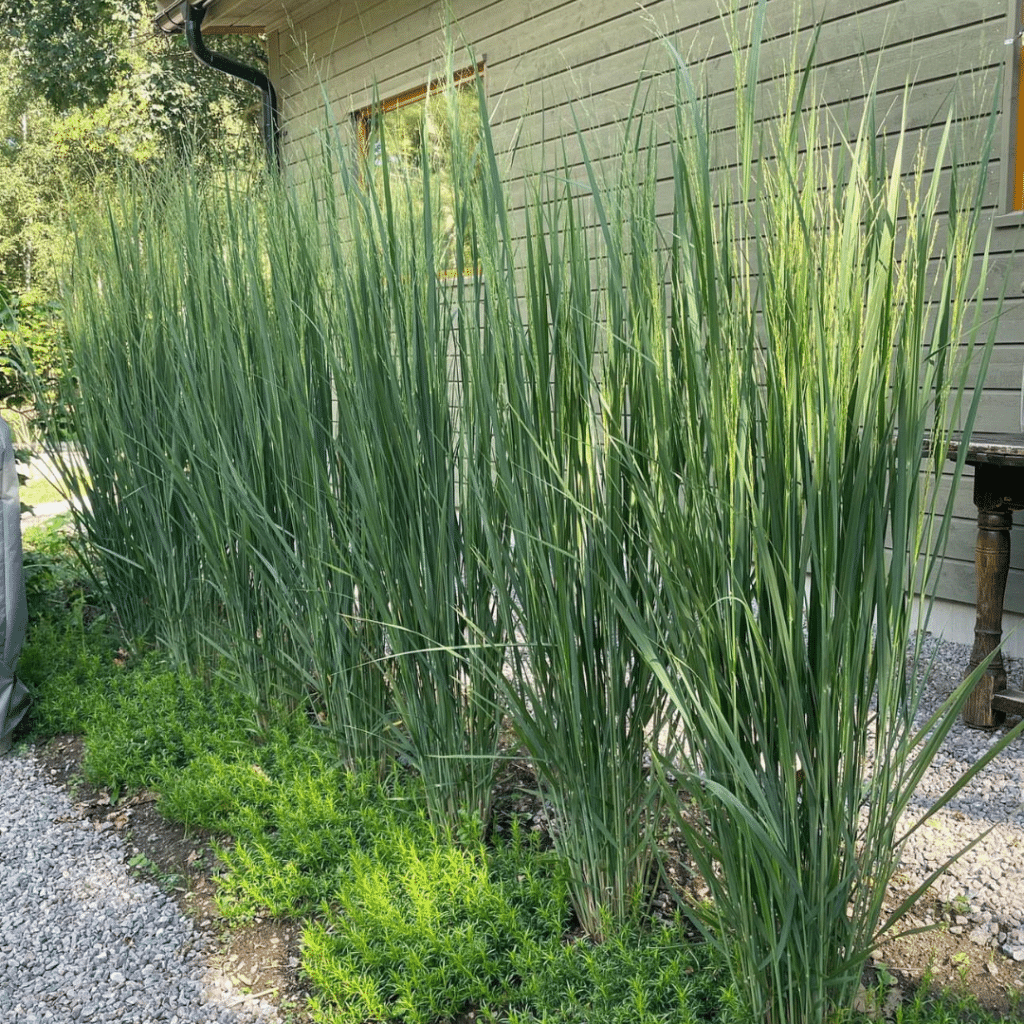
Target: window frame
<point>364,117</point>
<point>1013,113</point>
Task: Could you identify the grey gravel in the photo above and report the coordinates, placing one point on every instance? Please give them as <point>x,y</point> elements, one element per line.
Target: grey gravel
<point>984,889</point>
<point>81,940</point>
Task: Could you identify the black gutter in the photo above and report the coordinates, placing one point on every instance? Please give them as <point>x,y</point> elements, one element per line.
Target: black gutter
<point>271,123</point>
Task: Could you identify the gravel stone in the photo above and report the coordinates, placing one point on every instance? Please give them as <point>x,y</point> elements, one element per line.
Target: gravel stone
<point>82,940</point>
<point>989,878</point>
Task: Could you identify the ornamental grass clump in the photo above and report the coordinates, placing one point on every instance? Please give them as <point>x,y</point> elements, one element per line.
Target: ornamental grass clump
<point>128,432</point>
<point>280,479</point>
<point>641,472</point>
<point>582,701</point>
<point>409,433</point>
<point>203,415</point>
<point>824,306</point>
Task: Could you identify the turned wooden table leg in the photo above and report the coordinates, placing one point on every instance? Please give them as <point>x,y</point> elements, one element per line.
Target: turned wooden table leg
<point>992,562</point>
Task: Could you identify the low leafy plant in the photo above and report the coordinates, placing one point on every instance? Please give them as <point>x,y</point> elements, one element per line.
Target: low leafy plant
<point>146,867</point>
<point>185,717</point>
<point>428,932</point>
<point>56,578</point>
<point>294,823</point>
<point>928,1005</point>
<point>455,931</point>
<point>68,666</point>
<point>650,976</point>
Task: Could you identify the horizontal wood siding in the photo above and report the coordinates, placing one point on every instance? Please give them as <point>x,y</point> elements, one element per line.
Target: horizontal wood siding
<point>558,67</point>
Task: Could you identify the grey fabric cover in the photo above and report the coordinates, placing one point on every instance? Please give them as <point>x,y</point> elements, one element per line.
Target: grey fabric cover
<point>13,609</point>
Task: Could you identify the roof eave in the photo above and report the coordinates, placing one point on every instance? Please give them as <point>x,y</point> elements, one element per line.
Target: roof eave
<point>170,19</point>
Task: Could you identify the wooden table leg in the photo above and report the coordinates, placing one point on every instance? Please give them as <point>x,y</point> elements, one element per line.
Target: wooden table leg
<point>992,562</point>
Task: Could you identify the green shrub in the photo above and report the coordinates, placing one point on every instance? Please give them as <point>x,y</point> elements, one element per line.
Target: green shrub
<point>33,358</point>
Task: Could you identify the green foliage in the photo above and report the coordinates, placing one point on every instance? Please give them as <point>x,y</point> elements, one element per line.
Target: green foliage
<point>342,537</point>
<point>434,933</point>
<point>424,922</point>
<point>141,721</point>
<point>39,491</point>
<point>437,130</point>
<point>101,59</point>
<point>80,683</point>
<point>147,868</point>
<point>428,932</point>
<point>928,1006</point>
<point>616,485</point>
<point>56,579</point>
<point>67,662</point>
<point>413,924</point>
<point>409,443</point>
<point>651,976</point>
<point>295,818</point>
<point>283,546</point>
<point>183,714</point>
<point>789,517</point>
<point>67,50</point>
<point>408,923</point>
<point>583,702</point>
<point>86,90</point>
<point>31,340</point>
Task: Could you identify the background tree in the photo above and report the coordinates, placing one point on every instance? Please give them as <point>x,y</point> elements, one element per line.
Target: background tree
<point>69,52</point>
<point>88,90</point>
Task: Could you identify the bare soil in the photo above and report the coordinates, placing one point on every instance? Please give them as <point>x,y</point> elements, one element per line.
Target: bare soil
<point>263,957</point>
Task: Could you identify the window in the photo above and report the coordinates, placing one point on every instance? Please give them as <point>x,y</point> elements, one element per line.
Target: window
<point>417,123</point>
<point>1016,107</point>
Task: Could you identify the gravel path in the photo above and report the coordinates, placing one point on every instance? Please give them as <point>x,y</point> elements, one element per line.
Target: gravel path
<point>82,941</point>
<point>986,885</point>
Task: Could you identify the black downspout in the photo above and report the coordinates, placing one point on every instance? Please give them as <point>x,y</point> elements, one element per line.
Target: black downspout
<point>271,126</point>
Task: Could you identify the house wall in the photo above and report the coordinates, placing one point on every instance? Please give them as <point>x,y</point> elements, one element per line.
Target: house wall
<point>554,64</point>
